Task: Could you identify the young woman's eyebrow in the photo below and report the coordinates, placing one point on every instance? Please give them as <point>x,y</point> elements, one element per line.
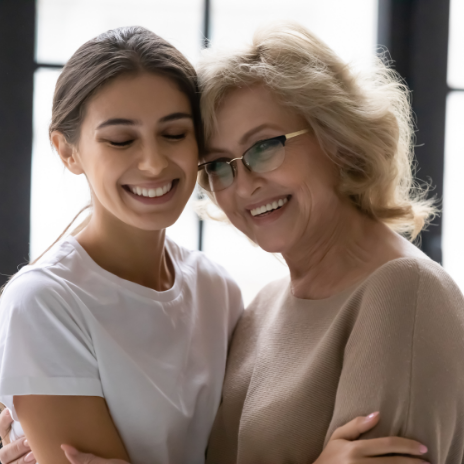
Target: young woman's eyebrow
<point>175,117</point>
<point>119,122</point>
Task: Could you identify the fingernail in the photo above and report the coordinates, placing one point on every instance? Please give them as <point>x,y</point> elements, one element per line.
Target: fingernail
<point>30,457</point>
<point>70,450</point>
<point>372,416</point>
<point>423,449</point>
<point>26,443</point>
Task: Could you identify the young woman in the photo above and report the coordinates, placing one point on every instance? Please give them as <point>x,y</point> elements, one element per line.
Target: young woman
<point>115,341</point>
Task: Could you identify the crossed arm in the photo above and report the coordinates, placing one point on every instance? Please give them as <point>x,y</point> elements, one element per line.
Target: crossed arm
<point>80,421</point>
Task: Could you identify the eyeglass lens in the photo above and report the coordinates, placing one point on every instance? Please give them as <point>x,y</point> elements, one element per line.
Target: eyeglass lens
<point>263,157</point>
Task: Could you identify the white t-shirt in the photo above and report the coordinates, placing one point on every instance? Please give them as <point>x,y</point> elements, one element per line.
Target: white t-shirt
<point>68,327</point>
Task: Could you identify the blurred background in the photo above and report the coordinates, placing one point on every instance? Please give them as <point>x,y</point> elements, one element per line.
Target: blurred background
<point>38,198</point>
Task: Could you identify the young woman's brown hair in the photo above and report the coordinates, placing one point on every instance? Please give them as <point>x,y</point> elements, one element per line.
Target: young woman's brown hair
<point>126,50</point>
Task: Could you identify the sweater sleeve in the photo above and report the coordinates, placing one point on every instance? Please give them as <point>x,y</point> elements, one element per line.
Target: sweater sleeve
<point>404,358</point>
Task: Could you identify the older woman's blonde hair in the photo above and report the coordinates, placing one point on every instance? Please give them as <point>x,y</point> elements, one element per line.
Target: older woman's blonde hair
<point>363,121</point>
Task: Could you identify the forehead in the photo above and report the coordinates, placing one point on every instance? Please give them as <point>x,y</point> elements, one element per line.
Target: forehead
<point>248,107</point>
<point>137,96</point>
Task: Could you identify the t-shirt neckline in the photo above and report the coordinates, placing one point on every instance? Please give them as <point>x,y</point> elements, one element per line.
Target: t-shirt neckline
<point>140,290</point>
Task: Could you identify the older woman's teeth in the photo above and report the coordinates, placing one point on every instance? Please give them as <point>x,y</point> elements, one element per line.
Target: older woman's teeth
<point>151,193</point>
<point>269,207</point>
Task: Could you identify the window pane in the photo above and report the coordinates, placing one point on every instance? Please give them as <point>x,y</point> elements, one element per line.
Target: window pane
<point>456,45</point>
<point>56,194</point>
<point>64,25</point>
<point>453,210</point>
<point>349,27</point>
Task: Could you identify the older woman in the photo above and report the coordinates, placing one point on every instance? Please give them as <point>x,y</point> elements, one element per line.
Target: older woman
<point>313,162</point>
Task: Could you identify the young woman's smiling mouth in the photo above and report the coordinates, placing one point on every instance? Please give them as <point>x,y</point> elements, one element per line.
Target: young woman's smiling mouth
<point>151,193</point>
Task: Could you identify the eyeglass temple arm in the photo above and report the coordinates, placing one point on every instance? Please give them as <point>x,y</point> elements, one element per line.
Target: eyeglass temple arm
<point>295,134</point>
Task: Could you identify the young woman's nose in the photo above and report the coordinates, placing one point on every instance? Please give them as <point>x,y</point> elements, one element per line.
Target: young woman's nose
<point>152,160</point>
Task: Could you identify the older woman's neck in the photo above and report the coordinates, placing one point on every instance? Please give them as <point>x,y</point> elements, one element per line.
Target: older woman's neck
<point>337,254</point>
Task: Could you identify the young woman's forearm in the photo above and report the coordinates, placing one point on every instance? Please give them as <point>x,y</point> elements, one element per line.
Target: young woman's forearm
<point>80,421</point>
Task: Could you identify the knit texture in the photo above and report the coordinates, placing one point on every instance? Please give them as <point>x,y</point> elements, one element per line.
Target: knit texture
<point>298,369</point>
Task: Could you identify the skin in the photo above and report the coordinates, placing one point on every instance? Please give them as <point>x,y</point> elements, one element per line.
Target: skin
<point>125,235</point>
<point>325,253</point>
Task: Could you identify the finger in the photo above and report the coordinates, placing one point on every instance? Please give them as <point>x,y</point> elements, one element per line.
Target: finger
<point>26,459</point>
<point>76,457</point>
<point>5,423</point>
<point>395,460</point>
<point>356,427</point>
<point>16,450</point>
<point>388,445</point>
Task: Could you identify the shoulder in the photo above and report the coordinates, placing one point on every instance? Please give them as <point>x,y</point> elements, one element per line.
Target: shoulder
<point>211,283</point>
<point>43,284</point>
<point>197,262</point>
<point>411,277</point>
<point>409,290</point>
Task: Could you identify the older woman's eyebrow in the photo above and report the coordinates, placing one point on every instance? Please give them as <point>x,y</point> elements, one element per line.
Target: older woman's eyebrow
<point>253,131</point>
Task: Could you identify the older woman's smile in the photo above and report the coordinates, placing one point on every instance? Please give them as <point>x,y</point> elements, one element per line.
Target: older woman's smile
<point>267,207</point>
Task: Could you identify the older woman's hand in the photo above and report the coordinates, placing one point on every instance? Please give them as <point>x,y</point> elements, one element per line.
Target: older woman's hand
<point>344,448</point>
<point>76,457</point>
<point>17,452</point>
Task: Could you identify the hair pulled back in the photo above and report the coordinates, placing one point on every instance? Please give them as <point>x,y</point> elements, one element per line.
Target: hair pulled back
<point>126,50</point>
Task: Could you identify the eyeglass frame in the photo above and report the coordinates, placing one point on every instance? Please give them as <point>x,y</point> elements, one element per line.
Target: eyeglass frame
<point>281,138</point>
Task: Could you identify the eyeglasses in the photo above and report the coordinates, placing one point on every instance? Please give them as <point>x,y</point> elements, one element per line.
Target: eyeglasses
<point>264,156</point>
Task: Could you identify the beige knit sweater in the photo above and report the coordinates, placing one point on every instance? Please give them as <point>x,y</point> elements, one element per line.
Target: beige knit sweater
<point>300,368</point>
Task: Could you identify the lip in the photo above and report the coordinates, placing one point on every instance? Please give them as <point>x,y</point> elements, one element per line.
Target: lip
<point>154,200</point>
<point>270,216</point>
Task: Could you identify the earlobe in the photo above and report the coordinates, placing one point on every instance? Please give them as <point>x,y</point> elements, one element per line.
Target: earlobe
<point>67,152</point>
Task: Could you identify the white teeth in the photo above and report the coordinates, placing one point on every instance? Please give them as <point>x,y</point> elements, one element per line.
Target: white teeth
<point>151,193</point>
<point>268,207</point>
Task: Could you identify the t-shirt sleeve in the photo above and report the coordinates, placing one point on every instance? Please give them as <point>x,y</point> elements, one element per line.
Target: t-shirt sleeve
<point>45,344</point>
<point>404,358</point>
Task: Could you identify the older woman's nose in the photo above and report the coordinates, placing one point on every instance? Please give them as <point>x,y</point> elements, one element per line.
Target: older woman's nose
<point>246,181</point>
<point>152,160</point>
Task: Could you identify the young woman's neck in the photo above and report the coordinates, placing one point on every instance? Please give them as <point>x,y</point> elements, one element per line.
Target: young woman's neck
<point>130,253</point>
<point>340,253</point>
